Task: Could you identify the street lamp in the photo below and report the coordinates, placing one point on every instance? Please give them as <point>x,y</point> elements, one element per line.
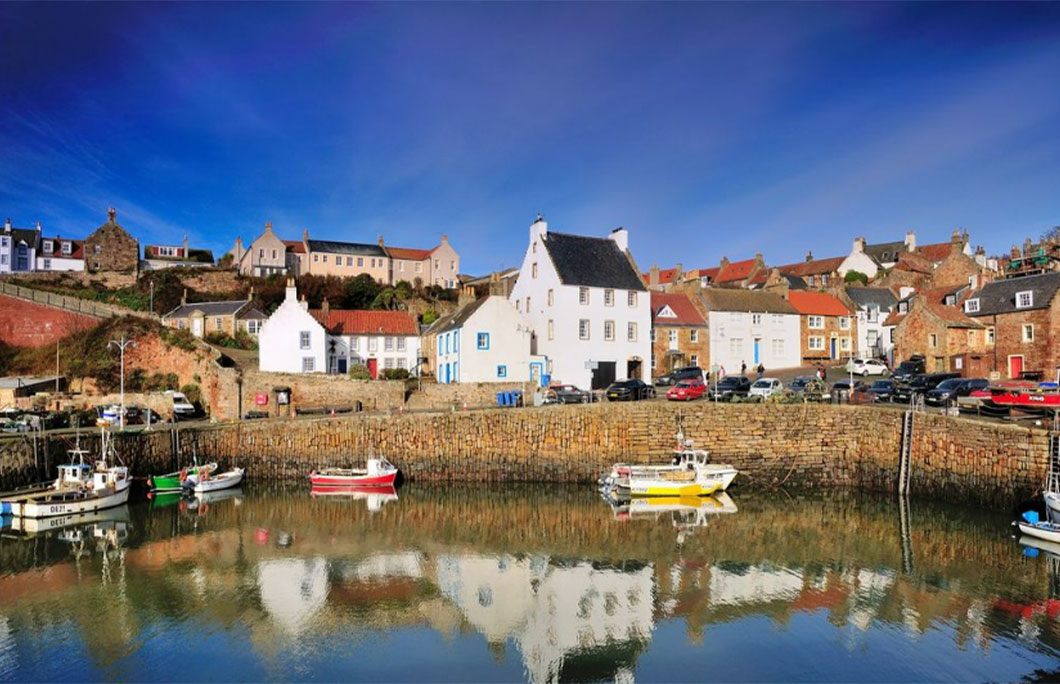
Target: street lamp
<point>121,345</point>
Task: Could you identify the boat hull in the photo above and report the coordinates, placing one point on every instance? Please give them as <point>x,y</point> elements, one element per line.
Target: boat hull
<point>324,480</point>
<point>227,480</point>
<point>171,482</point>
<point>51,505</point>
<point>1047,531</point>
<point>708,481</point>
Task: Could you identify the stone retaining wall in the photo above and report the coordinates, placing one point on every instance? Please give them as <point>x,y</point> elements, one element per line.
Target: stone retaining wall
<point>792,446</point>
<point>432,395</point>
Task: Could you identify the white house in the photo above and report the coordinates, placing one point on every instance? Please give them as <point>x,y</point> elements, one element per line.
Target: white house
<point>873,305</point>
<point>18,248</point>
<point>587,305</point>
<point>485,341</point>
<point>292,340</point>
<point>751,327</point>
<point>60,254</point>
<point>379,340</point>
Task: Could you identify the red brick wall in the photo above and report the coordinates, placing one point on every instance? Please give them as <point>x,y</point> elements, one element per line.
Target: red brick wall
<point>25,324</point>
<point>1039,355</point>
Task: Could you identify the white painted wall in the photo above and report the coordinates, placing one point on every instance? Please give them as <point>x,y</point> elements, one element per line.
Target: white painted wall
<point>59,264</point>
<point>732,335</point>
<point>279,342</point>
<point>859,261</point>
<point>567,353</point>
<point>404,351</point>
<point>509,346</point>
<point>883,333</point>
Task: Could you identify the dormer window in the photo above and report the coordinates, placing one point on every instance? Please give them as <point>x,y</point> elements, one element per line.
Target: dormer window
<point>49,246</point>
<point>67,247</point>
<point>903,307</point>
<point>950,300</point>
<point>1025,299</point>
<point>972,305</point>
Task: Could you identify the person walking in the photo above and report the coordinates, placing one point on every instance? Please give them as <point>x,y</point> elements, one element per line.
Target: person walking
<point>761,371</point>
<point>743,369</point>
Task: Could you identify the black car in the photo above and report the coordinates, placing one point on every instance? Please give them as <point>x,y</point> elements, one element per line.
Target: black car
<point>921,384</point>
<point>909,368</point>
<point>948,390</point>
<point>798,385</point>
<point>883,390</point>
<point>568,394</point>
<point>679,374</point>
<point>629,390</point>
<point>730,386</point>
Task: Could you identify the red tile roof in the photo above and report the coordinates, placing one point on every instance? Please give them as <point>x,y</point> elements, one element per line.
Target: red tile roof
<point>77,248</point>
<point>815,267</point>
<point>936,252</point>
<point>736,270</point>
<point>296,246</point>
<point>360,322</point>
<point>817,303</point>
<point>685,313</point>
<point>666,275</point>
<point>915,263</point>
<point>894,318</point>
<point>409,253</point>
<point>952,315</point>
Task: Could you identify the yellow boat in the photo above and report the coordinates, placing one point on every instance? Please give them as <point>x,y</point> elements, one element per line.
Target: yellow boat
<point>690,475</point>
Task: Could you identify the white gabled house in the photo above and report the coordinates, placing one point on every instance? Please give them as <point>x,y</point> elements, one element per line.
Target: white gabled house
<point>378,340</point>
<point>873,305</point>
<point>587,305</point>
<point>292,340</point>
<point>485,341</point>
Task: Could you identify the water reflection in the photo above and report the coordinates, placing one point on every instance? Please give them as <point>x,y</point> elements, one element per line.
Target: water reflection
<point>544,584</point>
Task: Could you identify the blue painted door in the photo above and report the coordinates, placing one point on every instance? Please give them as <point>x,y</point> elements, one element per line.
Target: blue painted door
<point>834,342</point>
<point>758,344</point>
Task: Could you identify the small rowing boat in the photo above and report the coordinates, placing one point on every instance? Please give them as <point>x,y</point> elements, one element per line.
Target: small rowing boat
<point>174,482</point>
<point>208,482</point>
<point>1030,525</point>
<point>378,473</point>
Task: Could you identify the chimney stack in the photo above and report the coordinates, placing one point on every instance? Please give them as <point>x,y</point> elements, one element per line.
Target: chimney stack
<point>291,292</point>
<point>112,215</point>
<point>184,297</point>
<point>653,276</point>
<point>621,237</point>
<point>250,295</point>
<point>809,256</point>
<point>380,240</point>
<point>305,235</point>
<point>7,225</point>
<point>325,307</point>
<point>910,241</point>
<point>859,245</point>
<point>539,228</point>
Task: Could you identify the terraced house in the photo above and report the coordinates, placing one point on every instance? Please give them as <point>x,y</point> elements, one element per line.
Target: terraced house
<point>18,248</point>
<point>679,333</point>
<point>827,326</point>
<point>933,323</point>
<point>205,318</point>
<point>1021,317</point>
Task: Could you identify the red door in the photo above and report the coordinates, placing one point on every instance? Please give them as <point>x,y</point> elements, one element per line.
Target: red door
<point>373,368</point>
<point>1015,366</point>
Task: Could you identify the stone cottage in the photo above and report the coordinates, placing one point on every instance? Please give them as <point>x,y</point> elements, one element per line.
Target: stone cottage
<point>111,248</point>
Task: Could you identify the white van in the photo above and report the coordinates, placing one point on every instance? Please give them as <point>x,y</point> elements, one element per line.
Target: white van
<point>182,408</point>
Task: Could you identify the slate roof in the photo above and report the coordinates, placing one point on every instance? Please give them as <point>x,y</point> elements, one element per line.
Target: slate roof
<point>251,314</point>
<point>362,322</point>
<point>885,251</point>
<point>685,313</point>
<point>591,262</point>
<point>754,301</point>
<point>27,235</point>
<point>880,296</point>
<point>999,297</point>
<point>817,303</point>
<point>351,248</point>
<point>228,308</point>
<point>458,318</point>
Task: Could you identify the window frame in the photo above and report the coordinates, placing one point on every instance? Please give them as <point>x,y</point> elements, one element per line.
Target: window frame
<point>482,341</point>
<point>584,329</point>
<point>1030,299</point>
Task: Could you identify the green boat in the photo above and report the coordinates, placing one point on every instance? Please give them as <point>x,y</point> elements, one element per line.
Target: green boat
<point>174,482</point>
<point>165,499</point>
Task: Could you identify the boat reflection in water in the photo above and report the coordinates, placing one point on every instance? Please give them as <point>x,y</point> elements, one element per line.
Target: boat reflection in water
<point>374,497</point>
<point>540,584</point>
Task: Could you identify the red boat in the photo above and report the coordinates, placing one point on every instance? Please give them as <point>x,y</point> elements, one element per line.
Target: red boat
<point>379,473</point>
<point>1024,396</point>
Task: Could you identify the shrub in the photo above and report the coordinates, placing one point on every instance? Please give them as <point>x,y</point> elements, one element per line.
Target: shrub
<point>856,277</point>
<point>395,374</point>
<point>429,316</point>
<point>180,338</point>
<point>359,372</point>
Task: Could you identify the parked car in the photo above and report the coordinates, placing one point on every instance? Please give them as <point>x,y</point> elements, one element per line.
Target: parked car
<point>182,408</point>
<point>679,374</point>
<point>686,390</point>
<point>568,394</point>
<point>730,386</point>
<point>909,368</point>
<point>865,367</point>
<point>950,390</point>
<point>842,389</point>
<point>629,390</point>
<point>763,388</point>
<point>882,390</point>
<point>798,385</point>
<point>920,384</point>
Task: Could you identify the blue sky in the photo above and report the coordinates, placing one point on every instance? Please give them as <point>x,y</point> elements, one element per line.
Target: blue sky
<point>706,129</point>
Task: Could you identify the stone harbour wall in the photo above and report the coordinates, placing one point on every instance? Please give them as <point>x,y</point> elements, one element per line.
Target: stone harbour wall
<point>807,446</point>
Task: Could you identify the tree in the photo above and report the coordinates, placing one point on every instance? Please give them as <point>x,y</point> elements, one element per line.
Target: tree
<point>387,299</point>
<point>429,316</point>
<point>360,292</point>
<point>1052,235</point>
<point>856,277</point>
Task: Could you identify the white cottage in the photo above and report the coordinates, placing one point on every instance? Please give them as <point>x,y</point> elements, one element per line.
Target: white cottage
<point>18,248</point>
<point>590,311</point>
<point>752,328</point>
<point>485,341</point>
<point>291,340</point>
<point>378,340</point>
<point>873,306</point>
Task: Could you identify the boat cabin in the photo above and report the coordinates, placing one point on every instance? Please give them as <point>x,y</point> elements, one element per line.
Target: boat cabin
<point>73,475</point>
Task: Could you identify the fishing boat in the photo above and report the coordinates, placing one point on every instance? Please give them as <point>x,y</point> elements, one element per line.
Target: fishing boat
<point>690,473</point>
<point>32,527</point>
<point>1024,395</point>
<point>207,482</point>
<point>1031,526</point>
<point>653,507</point>
<point>80,487</point>
<point>374,497</point>
<point>378,473</point>
<point>174,482</point>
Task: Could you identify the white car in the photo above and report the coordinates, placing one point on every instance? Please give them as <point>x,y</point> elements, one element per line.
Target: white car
<point>765,387</point>
<point>182,408</point>
<point>865,367</point>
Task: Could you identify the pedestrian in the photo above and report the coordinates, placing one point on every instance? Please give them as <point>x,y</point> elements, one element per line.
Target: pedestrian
<point>761,371</point>
<point>743,369</point>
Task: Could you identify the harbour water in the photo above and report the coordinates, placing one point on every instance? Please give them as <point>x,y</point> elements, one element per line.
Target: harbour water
<point>462,583</point>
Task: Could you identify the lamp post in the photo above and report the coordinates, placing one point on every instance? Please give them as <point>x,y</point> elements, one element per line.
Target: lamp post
<point>121,345</point>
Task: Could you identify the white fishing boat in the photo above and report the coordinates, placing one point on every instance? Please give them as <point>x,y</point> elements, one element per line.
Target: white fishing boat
<point>80,487</point>
<point>208,482</point>
<point>1030,525</point>
<point>690,473</point>
<point>31,527</point>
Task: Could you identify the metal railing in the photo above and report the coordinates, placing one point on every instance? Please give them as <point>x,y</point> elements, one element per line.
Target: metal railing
<point>67,303</point>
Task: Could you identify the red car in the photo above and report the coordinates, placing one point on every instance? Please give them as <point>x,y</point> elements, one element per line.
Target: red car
<point>686,390</point>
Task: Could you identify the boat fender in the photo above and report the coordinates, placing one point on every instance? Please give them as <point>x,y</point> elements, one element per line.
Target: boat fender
<point>183,474</point>
<point>1031,517</point>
